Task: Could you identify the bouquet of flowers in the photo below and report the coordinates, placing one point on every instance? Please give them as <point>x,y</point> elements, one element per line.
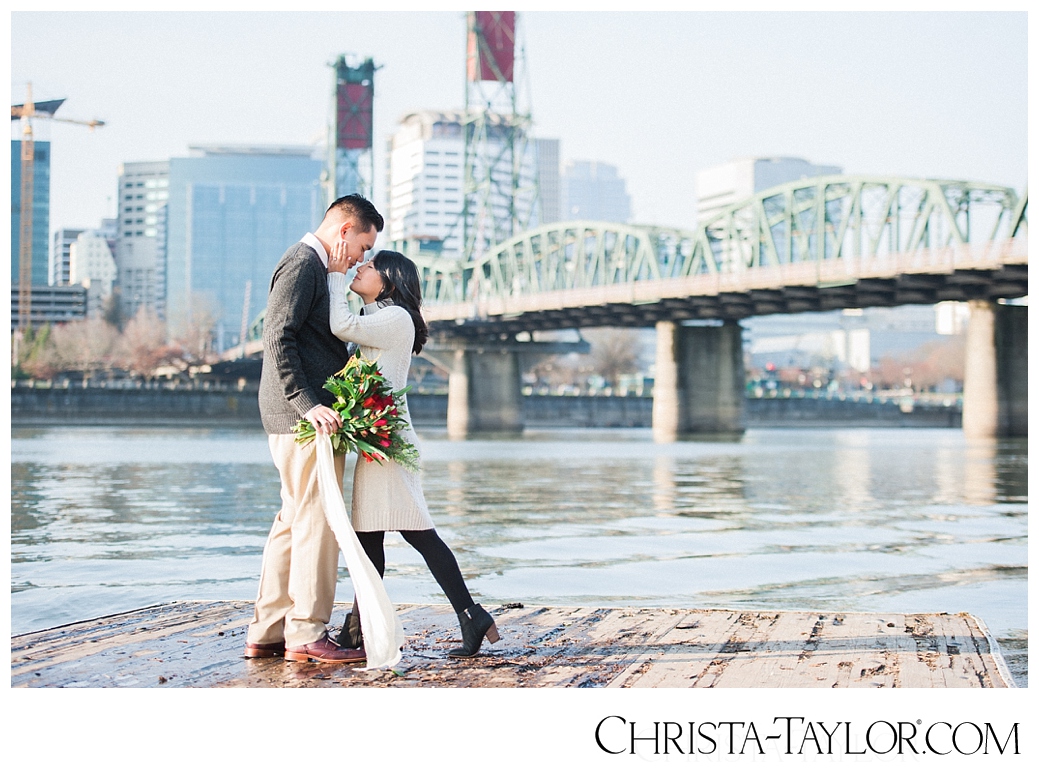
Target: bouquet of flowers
<point>372,423</point>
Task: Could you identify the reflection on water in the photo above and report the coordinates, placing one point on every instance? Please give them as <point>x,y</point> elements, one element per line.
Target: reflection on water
<point>916,520</point>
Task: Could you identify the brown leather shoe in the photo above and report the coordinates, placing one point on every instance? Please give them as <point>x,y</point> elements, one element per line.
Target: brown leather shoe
<point>264,650</point>
<point>325,651</point>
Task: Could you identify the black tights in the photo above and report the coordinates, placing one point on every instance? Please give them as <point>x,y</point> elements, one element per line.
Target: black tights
<point>439,558</point>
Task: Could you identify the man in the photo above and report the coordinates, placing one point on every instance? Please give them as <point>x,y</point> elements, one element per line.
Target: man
<point>300,559</point>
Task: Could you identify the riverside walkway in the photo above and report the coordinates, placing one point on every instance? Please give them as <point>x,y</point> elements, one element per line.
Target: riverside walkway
<point>199,644</point>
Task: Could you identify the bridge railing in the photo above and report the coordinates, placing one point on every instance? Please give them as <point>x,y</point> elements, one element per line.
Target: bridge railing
<point>810,221</point>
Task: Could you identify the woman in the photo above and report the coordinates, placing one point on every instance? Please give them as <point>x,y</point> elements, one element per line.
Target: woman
<point>386,497</point>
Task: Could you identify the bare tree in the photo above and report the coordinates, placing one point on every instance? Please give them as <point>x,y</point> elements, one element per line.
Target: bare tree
<point>196,334</point>
<point>86,346</point>
<point>615,352</point>
<point>143,346</point>
<point>927,367</point>
<point>889,373</point>
<point>935,362</point>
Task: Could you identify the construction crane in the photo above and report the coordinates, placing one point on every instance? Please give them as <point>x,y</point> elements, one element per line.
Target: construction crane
<point>27,112</point>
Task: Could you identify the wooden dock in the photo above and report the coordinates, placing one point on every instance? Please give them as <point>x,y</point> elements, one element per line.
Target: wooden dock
<point>199,644</point>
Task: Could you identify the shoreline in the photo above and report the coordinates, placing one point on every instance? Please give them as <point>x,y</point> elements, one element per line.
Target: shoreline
<point>240,408</point>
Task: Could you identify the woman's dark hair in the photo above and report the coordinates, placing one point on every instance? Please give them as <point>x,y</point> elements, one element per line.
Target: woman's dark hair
<point>401,286</point>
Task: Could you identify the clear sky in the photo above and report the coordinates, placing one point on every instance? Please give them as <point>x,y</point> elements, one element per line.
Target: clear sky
<point>660,95</point>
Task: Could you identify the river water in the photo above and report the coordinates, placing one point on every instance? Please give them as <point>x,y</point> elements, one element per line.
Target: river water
<point>883,520</point>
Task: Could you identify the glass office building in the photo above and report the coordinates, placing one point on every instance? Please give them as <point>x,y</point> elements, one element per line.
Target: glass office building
<point>41,210</point>
<point>231,214</point>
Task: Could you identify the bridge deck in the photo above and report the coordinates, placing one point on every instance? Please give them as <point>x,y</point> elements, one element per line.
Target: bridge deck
<point>817,286</point>
<point>199,644</point>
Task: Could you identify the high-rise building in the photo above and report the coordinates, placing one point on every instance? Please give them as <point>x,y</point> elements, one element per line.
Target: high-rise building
<point>62,245</point>
<point>593,191</point>
<point>41,208</point>
<point>549,183</point>
<point>92,266</point>
<point>426,179</point>
<point>232,211</point>
<point>58,272</point>
<point>723,185</point>
<point>143,192</point>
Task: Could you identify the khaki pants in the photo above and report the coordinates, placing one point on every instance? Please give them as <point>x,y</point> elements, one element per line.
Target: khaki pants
<point>300,559</point>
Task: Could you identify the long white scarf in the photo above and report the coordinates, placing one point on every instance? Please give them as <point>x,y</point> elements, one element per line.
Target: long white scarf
<point>380,626</point>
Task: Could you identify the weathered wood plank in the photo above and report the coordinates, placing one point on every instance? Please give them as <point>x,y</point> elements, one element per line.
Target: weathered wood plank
<point>684,654</point>
<point>619,636</point>
<point>911,671</point>
<point>199,644</point>
<point>778,659</point>
<point>734,661</point>
<point>965,648</point>
<point>862,637</point>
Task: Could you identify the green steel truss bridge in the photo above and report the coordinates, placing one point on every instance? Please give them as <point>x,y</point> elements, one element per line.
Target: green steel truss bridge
<point>815,244</point>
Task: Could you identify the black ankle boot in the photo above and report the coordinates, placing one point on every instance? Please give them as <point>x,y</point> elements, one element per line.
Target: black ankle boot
<point>476,623</point>
<point>350,635</point>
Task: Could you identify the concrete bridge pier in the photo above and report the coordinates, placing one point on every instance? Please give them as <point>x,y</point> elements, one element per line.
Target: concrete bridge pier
<point>699,383</point>
<point>995,371</point>
<point>484,392</point>
<point>484,384</point>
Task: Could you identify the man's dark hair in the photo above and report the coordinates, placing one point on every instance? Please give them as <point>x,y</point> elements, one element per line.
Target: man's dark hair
<point>360,209</point>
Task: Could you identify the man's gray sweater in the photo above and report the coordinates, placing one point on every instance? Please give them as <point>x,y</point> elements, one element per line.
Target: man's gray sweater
<point>299,349</point>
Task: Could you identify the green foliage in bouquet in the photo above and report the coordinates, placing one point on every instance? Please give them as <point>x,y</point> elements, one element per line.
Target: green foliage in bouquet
<point>372,421</point>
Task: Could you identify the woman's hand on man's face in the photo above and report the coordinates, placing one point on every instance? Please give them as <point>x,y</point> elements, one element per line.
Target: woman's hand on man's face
<point>340,259</point>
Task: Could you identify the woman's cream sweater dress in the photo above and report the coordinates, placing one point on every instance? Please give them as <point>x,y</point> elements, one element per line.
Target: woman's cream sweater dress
<point>386,497</point>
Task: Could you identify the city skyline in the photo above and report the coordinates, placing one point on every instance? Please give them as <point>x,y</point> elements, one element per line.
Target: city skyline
<point>876,93</point>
